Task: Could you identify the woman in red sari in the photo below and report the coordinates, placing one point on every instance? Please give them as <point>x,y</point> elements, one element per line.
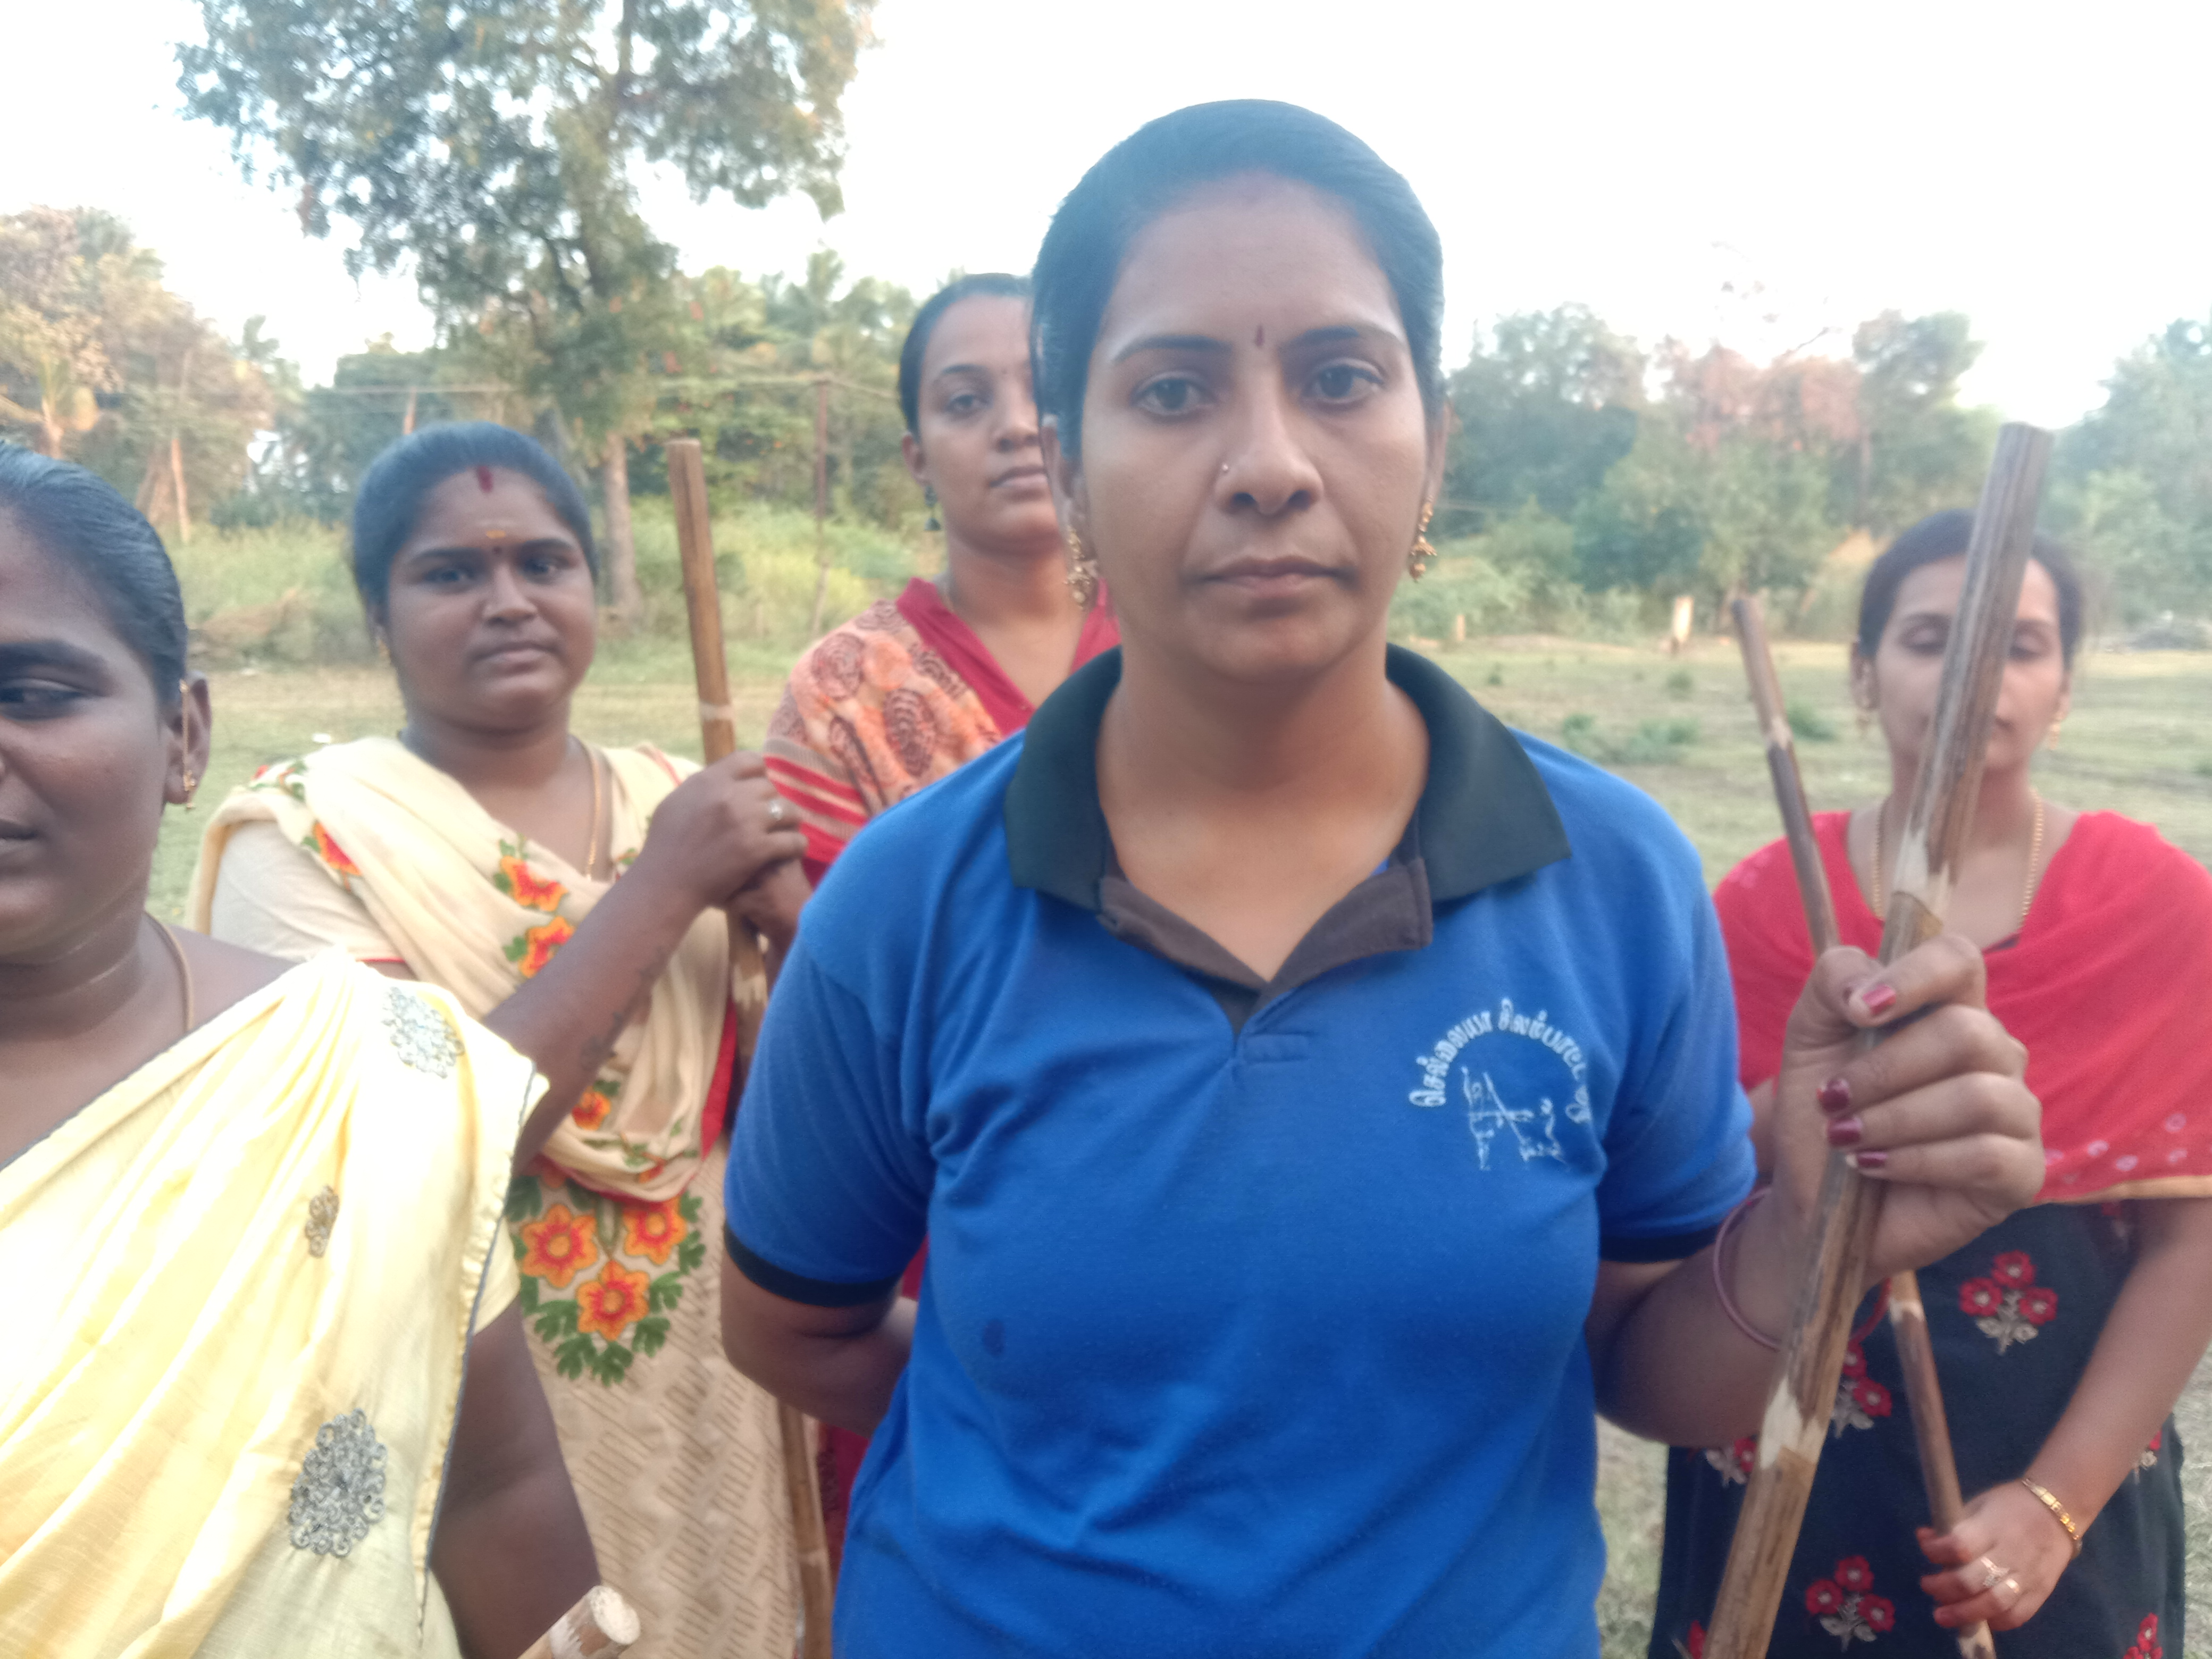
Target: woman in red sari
<point>912,688</point>
<point>2063,1336</point>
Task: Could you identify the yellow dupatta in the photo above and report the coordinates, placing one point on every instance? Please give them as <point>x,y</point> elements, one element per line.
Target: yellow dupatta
<point>245,1271</point>
<point>475,909</point>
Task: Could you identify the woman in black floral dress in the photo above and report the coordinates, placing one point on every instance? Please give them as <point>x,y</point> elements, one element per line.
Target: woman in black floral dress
<point>2063,1336</point>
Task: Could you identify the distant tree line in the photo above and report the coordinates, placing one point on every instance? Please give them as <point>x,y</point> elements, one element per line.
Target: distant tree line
<point>1583,471</point>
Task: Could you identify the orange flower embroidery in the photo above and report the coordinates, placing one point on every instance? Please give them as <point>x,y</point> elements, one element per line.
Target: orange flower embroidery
<point>520,883</point>
<point>612,1303</point>
<point>535,949</point>
<point>559,1245</point>
<point>652,1231</point>
<point>330,852</point>
<point>591,1110</point>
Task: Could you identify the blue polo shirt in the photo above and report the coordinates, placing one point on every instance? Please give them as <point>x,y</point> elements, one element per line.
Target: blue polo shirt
<point>1253,1320</point>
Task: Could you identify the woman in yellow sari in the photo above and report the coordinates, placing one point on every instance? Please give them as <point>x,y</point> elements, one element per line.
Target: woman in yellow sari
<point>252,1209</point>
<point>479,851</point>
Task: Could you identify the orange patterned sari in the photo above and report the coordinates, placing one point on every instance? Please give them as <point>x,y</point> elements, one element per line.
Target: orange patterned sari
<point>897,697</point>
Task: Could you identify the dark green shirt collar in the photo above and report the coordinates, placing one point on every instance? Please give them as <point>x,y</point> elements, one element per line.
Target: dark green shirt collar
<point>1484,816</point>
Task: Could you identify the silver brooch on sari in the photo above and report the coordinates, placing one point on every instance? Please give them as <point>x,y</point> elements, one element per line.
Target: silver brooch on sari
<point>322,1215</point>
<point>420,1034</point>
<point>339,1495</point>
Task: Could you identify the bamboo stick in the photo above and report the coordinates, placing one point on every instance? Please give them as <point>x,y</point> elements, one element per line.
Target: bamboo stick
<point>602,1626</point>
<point>1935,822</point>
<point>718,736</point>
<point>1908,1318</point>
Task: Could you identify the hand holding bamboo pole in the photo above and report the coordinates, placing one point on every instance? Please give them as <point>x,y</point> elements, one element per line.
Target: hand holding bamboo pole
<point>718,731</point>
<point>1908,1318</point>
<point>1940,811</point>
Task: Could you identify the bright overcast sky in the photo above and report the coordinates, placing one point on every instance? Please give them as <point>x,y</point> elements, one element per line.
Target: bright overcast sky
<point>2041,167</point>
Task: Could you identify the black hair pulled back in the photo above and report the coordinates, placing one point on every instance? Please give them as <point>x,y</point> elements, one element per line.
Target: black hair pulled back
<point>99,538</point>
<point>995,284</point>
<point>1156,166</point>
<point>390,499</point>
<point>1942,535</point>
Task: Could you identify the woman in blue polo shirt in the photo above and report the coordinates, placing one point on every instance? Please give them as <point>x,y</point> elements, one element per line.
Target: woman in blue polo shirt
<point>1318,1098</point>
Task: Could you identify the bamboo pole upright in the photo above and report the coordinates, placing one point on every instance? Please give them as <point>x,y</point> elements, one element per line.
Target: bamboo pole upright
<point>1940,812</point>
<point>718,736</point>
<point>1908,1318</point>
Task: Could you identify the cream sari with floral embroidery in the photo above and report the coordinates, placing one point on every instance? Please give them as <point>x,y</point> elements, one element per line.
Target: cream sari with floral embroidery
<point>248,1275</point>
<point>675,1456</point>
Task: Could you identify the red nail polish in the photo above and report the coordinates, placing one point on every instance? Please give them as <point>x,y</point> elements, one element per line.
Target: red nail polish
<point>1870,1160</point>
<point>1845,1132</point>
<point>1878,996</point>
<point>1834,1095</point>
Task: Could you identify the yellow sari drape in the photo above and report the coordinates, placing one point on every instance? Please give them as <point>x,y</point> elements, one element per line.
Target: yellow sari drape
<point>245,1281</point>
<point>474,908</point>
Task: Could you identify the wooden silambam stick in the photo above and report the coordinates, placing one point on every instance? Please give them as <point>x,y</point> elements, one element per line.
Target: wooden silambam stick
<point>600,1626</point>
<point>1935,824</point>
<point>1908,1319</point>
<point>718,736</point>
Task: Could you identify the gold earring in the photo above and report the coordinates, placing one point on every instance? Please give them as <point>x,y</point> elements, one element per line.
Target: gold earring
<point>2055,726</point>
<point>192,786</point>
<point>1082,572</point>
<point>1418,556</point>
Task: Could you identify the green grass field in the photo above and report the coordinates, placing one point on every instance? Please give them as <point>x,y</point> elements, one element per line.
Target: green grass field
<point>2138,742</point>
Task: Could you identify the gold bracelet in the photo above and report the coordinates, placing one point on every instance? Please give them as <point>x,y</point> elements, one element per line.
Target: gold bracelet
<point>2057,1511</point>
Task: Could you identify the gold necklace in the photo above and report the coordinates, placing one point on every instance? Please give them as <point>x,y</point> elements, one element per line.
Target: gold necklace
<point>598,808</point>
<point>2034,863</point>
<point>184,968</point>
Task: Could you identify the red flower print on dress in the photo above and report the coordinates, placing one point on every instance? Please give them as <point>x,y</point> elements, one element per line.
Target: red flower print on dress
<point>2147,1457</point>
<point>332,855</point>
<point>1693,1646</point>
<point>559,1245</point>
<point>1859,1398</point>
<point>591,1110</point>
<point>612,1303</point>
<point>523,884</point>
<point>534,949</point>
<point>1847,1607</point>
<point>2146,1643</point>
<point>1732,1463</point>
<point>653,1231</point>
<point>2009,1307</point>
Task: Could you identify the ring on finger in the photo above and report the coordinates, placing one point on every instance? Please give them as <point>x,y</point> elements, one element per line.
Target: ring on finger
<point>1992,1574</point>
<point>776,814</point>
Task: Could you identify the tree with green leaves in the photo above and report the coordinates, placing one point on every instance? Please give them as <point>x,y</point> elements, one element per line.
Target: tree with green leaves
<point>1544,407</point>
<point>493,147</point>
<point>99,361</point>
<point>2134,485</point>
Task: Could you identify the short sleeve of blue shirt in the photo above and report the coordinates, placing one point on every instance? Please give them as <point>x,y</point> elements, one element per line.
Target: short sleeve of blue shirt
<point>836,1194</point>
<point>1678,1149</point>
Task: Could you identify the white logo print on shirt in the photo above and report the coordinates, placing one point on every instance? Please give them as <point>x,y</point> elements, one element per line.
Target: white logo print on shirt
<point>1535,1129</point>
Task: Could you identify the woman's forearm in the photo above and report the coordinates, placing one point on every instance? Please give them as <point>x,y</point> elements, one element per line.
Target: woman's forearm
<point>838,1364</point>
<point>567,1018</point>
<point>2152,1341</point>
<point>1668,1363</point>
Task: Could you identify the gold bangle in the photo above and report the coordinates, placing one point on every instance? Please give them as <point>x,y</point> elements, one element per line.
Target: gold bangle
<point>2057,1511</point>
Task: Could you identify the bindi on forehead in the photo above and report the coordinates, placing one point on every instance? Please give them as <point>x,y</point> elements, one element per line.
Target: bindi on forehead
<point>483,479</point>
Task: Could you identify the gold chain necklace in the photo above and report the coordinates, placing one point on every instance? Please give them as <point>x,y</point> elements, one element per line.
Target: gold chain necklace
<point>2027,891</point>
